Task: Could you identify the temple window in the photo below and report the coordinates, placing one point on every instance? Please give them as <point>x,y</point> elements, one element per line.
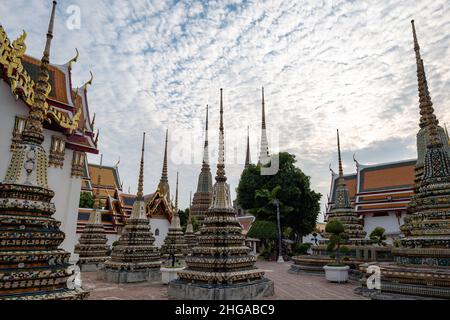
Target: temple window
<point>57,151</point>
<point>78,164</point>
<point>157,232</point>
<point>19,125</point>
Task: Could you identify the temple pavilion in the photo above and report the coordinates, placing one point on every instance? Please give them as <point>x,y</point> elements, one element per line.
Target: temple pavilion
<point>221,267</point>
<point>32,265</point>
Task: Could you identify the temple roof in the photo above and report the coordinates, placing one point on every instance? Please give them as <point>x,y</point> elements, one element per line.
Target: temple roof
<point>109,176</point>
<point>67,112</point>
<point>378,187</point>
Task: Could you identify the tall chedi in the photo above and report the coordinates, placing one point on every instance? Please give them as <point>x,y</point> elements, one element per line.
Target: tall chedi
<point>422,259</point>
<point>424,103</point>
<point>175,247</point>
<point>221,267</point>
<point>92,248</point>
<point>203,195</point>
<point>343,209</point>
<point>248,160</point>
<point>134,258</point>
<point>32,267</point>
<point>264,155</point>
<point>189,235</point>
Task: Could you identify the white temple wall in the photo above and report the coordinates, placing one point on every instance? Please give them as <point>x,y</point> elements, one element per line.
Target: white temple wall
<point>162,225</point>
<point>390,223</point>
<point>67,189</point>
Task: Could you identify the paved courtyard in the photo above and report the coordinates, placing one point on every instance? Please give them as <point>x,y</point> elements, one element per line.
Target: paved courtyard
<point>287,287</point>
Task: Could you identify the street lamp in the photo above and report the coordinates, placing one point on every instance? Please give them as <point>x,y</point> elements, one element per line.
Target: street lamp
<point>280,256</point>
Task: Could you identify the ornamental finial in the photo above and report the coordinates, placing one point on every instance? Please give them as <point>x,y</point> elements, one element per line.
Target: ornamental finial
<point>33,131</point>
<point>140,190</point>
<point>74,59</point>
<point>427,116</point>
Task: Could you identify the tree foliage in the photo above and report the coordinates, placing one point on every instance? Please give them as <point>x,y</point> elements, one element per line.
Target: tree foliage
<point>299,205</point>
<point>86,200</point>
<point>338,236</point>
<point>184,215</point>
<point>378,236</point>
<point>264,230</point>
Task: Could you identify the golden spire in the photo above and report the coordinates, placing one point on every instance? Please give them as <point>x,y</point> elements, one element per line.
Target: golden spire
<point>205,148</point>
<point>176,196</point>
<point>97,202</point>
<point>220,175</point>
<point>33,132</point>
<point>341,171</point>
<point>425,103</point>
<point>247,155</point>
<point>163,185</point>
<point>140,190</point>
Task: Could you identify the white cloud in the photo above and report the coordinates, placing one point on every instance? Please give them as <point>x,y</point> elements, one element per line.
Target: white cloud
<point>324,64</point>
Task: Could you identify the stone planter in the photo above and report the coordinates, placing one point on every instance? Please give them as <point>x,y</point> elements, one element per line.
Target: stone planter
<point>336,273</point>
<point>169,274</point>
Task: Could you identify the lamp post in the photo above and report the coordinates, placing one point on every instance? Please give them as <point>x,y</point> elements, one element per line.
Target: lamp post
<point>280,256</point>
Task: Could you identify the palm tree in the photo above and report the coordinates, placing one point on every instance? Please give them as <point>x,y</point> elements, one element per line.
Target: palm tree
<point>272,199</point>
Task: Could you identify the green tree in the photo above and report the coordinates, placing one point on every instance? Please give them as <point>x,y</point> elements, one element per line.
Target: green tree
<point>337,238</point>
<point>263,230</point>
<point>378,236</point>
<point>184,215</point>
<point>300,205</point>
<point>86,200</point>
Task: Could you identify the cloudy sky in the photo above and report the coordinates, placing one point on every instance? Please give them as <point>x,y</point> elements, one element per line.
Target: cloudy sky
<point>324,65</point>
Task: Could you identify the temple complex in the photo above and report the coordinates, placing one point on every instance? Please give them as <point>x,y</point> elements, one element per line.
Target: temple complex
<point>203,196</point>
<point>220,267</point>
<point>117,205</point>
<point>421,267</point>
<point>134,258</point>
<point>360,248</point>
<point>92,248</point>
<point>189,235</point>
<point>175,245</point>
<point>32,266</point>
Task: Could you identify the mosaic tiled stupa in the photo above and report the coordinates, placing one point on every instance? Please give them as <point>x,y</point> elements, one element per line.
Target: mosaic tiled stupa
<point>189,235</point>
<point>422,260</point>
<point>175,246</point>
<point>221,267</point>
<point>203,196</point>
<point>134,258</point>
<point>360,248</point>
<point>92,248</point>
<point>31,264</point>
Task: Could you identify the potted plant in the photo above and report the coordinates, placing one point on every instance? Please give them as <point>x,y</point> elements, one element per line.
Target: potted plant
<point>169,271</point>
<point>336,271</point>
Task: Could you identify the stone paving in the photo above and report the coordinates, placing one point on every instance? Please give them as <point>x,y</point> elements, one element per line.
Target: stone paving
<point>287,287</point>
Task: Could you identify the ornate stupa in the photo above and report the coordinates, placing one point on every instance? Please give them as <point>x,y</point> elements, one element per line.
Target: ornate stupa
<point>360,248</point>
<point>424,101</point>
<point>134,258</point>
<point>221,266</point>
<point>343,209</point>
<point>32,267</point>
<point>189,235</point>
<point>264,155</point>
<point>203,196</point>
<point>422,259</point>
<point>175,245</point>
<point>92,248</point>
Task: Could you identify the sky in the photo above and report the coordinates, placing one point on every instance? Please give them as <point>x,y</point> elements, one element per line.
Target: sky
<point>325,65</point>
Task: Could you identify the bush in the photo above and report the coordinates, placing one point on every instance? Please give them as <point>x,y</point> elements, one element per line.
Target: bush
<point>301,248</point>
<point>260,229</point>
